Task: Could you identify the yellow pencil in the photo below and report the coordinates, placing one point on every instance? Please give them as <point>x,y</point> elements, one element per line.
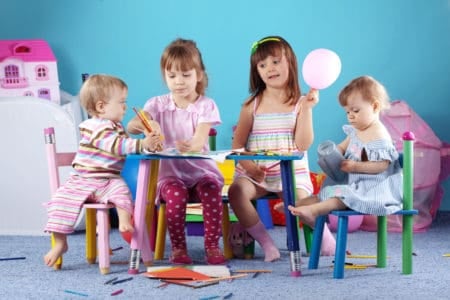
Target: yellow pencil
<point>252,271</point>
<point>224,278</point>
<point>361,256</point>
<point>143,117</point>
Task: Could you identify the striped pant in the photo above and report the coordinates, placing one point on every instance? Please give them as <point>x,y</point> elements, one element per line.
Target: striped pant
<point>65,205</point>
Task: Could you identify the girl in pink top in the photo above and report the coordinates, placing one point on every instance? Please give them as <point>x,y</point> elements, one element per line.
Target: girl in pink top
<point>185,116</point>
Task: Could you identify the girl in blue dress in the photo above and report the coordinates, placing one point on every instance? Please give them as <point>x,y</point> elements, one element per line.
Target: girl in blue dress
<point>374,183</point>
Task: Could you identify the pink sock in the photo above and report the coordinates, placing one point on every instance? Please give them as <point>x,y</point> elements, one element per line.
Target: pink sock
<point>260,234</point>
<point>328,242</point>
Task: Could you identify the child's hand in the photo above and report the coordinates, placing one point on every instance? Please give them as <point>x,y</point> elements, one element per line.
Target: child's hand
<point>257,173</point>
<point>183,146</point>
<point>155,126</point>
<point>311,99</point>
<point>152,141</point>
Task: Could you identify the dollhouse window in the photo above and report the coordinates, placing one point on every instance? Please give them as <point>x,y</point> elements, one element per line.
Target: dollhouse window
<point>11,71</point>
<point>23,49</point>
<point>41,72</point>
<point>44,94</point>
<point>28,94</point>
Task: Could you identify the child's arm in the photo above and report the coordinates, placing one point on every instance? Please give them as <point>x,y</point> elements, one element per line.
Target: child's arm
<point>366,167</point>
<point>240,138</point>
<point>304,134</point>
<point>343,145</point>
<point>197,142</point>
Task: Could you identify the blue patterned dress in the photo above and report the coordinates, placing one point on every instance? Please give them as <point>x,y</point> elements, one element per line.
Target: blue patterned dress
<point>376,194</point>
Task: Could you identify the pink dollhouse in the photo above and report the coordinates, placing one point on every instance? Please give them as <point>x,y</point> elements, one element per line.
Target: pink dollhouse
<point>28,68</point>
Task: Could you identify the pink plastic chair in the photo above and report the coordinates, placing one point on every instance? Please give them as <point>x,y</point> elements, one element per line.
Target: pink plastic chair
<point>97,216</point>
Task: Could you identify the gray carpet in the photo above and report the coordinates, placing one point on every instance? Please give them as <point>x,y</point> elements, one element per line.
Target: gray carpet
<point>30,279</point>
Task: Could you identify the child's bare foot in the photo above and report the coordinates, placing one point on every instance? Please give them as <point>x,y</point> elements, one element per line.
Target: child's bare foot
<point>56,251</point>
<point>279,207</point>
<point>126,227</point>
<point>304,213</point>
<point>271,254</point>
<point>125,224</point>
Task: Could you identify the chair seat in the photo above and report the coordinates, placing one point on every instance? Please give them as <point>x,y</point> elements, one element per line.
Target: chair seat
<point>349,212</point>
<point>98,205</point>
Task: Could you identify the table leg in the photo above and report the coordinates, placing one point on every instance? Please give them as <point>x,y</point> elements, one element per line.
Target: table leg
<point>137,239</point>
<point>289,196</point>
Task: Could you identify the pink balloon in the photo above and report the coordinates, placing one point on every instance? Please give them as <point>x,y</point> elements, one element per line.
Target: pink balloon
<point>321,68</point>
<point>354,222</point>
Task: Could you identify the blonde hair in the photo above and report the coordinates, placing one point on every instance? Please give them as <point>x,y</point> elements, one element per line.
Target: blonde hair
<point>274,46</point>
<point>97,88</point>
<point>184,55</point>
<point>370,89</point>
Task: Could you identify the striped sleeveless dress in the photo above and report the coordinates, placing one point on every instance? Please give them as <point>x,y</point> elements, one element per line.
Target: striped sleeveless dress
<point>275,132</point>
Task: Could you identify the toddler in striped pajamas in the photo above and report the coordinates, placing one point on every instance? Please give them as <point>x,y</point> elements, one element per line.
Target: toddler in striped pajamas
<point>98,162</point>
<point>374,183</point>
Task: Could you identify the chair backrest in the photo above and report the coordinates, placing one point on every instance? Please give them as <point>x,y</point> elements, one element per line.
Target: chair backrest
<point>55,159</point>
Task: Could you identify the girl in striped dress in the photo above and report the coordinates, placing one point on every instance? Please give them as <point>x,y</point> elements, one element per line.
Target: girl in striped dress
<point>99,160</point>
<point>374,174</point>
<point>275,118</point>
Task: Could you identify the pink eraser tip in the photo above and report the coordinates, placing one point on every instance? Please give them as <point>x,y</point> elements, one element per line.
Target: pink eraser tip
<point>408,136</point>
<point>296,273</point>
<point>49,130</point>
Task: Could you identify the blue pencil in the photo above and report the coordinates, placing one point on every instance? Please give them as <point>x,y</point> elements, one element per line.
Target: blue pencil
<point>122,280</point>
<point>75,293</point>
<point>12,258</point>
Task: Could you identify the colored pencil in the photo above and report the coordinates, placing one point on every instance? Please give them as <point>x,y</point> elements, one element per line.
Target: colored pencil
<point>141,115</point>
<point>111,280</point>
<point>117,292</point>
<point>12,258</point>
<point>122,280</point>
<point>76,293</point>
<point>361,256</point>
<point>252,271</point>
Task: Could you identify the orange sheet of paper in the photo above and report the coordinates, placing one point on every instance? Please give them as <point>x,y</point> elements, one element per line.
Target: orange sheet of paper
<point>182,276</point>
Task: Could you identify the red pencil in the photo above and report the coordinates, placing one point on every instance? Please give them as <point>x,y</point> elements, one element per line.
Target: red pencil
<point>117,292</point>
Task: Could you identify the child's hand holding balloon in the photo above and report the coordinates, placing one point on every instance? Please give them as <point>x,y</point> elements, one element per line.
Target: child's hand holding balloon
<point>311,99</point>
<point>321,68</point>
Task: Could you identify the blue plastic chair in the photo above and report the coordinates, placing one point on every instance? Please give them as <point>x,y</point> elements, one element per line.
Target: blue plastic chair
<point>407,233</point>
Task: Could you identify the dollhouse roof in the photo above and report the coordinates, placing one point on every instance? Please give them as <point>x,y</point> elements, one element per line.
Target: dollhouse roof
<point>26,50</point>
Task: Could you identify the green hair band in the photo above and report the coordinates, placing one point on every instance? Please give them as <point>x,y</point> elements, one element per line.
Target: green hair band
<point>255,45</point>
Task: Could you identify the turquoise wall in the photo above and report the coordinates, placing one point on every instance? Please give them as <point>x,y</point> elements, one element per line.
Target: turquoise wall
<point>403,43</point>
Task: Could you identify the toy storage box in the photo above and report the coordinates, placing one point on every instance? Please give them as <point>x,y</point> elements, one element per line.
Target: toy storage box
<point>28,68</point>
